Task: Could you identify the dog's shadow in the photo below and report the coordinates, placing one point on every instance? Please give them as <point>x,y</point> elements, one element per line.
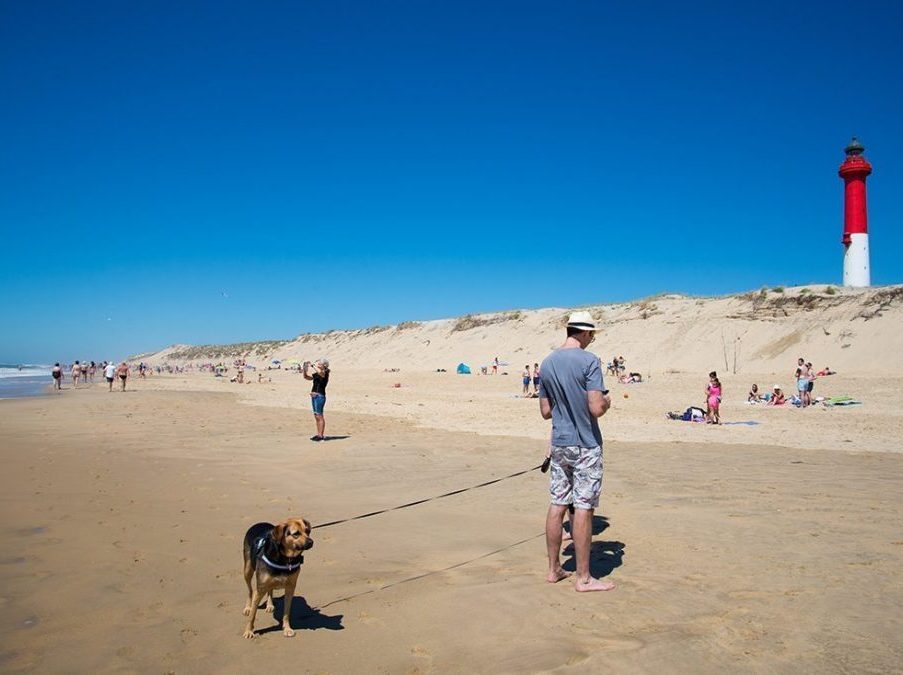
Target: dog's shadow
<point>304,617</point>
<point>604,555</point>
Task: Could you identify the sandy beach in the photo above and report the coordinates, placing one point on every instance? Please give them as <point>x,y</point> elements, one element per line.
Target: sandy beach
<point>770,547</point>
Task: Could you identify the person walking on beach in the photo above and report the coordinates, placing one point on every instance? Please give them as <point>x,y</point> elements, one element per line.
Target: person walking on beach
<point>123,372</point>
<point>572,395</point>
<point>57,374</point>
<point>109,373</point>
<point>76,374</point>
<point>320,379</point>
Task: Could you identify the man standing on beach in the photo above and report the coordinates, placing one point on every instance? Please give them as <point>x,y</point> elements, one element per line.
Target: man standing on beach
<point>572,395</point>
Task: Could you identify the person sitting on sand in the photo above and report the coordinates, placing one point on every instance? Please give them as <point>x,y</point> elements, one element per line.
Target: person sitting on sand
<point>777,396</point>
<point>630,379</point>
<point>754,395</point>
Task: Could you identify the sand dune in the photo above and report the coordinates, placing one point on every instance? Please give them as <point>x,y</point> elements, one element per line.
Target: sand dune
<point>852,330</point>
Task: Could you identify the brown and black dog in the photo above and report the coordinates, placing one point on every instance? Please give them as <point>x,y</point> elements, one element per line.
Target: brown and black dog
<point>275,553</point>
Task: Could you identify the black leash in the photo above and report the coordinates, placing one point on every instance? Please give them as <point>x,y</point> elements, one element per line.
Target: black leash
<point>429,574</point>
<point>428,499</point>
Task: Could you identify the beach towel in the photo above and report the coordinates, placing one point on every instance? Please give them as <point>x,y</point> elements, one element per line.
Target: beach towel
<point>842,400</point>
<point>746,423</point>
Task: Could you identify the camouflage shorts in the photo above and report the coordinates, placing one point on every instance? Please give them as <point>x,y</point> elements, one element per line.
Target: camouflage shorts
<point>576,476</point>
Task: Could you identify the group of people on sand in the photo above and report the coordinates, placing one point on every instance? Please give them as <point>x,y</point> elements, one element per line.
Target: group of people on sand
<point>617,366</point>
<point>84,373</point>
<point>529,377</point>
<point>804,375</point>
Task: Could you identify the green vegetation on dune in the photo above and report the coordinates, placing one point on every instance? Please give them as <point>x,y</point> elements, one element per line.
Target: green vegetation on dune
<point>194,353</point>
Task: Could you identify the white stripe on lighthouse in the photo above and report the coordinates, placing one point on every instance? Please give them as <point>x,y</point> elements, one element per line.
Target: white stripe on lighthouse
<point>856,271</point>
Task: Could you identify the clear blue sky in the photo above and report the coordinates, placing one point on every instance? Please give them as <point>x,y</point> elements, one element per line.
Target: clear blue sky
<point>331,164</point>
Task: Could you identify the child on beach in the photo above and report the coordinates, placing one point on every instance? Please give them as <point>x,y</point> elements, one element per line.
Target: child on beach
<point>754,395</point>
<point>714,401</point>
<point>712,377</point>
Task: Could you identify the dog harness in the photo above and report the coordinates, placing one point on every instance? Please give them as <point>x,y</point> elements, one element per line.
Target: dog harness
<point>293,563</point>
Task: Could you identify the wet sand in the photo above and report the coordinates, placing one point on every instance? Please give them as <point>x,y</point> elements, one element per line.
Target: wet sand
<point>123,517</point>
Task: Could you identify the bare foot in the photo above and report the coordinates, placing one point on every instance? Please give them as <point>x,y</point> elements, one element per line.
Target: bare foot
<point>593,585</point>
<point>557,575</point>
<point>288,632</point>
<point>249,634</point>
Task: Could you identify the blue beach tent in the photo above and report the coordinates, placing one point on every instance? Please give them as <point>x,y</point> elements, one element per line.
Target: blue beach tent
<point>463,369</point>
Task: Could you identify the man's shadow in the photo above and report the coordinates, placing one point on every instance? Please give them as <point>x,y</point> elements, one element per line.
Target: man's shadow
<point>604,556</point>
<point>304,617</point>
<point>331,438</point>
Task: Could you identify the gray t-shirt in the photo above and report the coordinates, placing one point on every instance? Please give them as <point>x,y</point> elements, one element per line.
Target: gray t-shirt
<point>567,374</point>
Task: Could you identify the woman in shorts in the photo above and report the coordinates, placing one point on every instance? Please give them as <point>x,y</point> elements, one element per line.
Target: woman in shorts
<point>320,379</point>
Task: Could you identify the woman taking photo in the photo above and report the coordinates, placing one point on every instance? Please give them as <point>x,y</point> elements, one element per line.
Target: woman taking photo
<point>320,379</point>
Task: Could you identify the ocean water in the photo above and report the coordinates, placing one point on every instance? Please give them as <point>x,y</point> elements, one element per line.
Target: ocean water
<point>18,380</point>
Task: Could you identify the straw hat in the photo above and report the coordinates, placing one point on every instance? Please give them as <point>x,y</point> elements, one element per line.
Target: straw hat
<point>582,320</point>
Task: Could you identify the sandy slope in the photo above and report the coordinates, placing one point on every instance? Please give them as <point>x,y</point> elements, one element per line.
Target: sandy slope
<point>853,331</point>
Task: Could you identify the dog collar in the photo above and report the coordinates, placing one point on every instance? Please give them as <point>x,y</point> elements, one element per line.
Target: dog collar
<point>291,567</point>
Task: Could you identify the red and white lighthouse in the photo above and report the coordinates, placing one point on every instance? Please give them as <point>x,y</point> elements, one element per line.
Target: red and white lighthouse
<point>854,170</point>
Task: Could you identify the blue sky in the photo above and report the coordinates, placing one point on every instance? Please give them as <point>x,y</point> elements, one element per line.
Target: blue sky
<point>218,171</point>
